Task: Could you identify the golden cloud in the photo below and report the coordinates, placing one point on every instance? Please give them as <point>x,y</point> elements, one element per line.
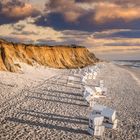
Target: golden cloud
<point>119,49</point>
<point>69,9</point>
<point>111,11</point>
<point>99,11</point>
<point>18,9</point>
<point>30,31</point>
<point>117,45</point>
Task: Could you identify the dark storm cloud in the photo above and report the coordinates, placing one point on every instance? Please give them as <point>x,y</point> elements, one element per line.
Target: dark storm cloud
<point>68,9</point>
<point>111,1</point>
<point>57,21</point>
<point>91,15</point>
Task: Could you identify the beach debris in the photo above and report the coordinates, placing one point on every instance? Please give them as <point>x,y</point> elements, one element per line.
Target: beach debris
<point>100,118</point>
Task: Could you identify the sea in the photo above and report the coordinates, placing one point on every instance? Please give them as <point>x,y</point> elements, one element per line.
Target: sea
<point>128,63</point>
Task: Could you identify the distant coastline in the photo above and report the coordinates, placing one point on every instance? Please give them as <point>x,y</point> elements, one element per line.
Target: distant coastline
<point>128,63</point>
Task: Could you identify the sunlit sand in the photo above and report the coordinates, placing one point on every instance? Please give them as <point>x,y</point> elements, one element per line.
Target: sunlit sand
<point>40,104</point>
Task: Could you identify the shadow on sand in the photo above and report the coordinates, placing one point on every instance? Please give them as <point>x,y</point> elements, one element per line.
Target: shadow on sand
<point>55,117</point>
<point>57,101</point>
<point>66,85</point>
<point>46,125</point>
<point>57,91</point>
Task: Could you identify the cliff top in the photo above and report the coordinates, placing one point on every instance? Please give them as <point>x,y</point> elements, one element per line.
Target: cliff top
<point>40,45</point>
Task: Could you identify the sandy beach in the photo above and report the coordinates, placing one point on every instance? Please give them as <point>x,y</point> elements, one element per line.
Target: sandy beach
<point>39,105</point>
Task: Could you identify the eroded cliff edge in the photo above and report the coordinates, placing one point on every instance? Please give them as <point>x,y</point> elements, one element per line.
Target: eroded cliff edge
<point>11,54</point>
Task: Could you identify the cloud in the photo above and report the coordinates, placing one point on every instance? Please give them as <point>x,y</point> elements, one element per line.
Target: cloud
<point>14,10</point>
<point>111,11</point>
<point>86,15</point>
<point>100,11</point>
<point>26,32</point>
<point>104,26</point>
<point>116,49</point>
<point>124,2</point>
<point>113,44</point>
<point>69,9</point>
<point>90,15</point>
<point>110,41</point>
<point>58,22</point>
<point>118,33</point>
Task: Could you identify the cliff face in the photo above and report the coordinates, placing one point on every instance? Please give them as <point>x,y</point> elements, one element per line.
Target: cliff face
<point>52,56</point>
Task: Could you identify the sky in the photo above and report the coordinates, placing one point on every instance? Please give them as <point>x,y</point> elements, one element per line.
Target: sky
<point>109,28</point>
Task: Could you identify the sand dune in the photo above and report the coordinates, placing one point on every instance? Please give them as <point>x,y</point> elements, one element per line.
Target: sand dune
<point>43,106</point>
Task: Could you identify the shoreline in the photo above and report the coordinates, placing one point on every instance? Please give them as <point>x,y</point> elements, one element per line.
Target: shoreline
<point>134,72</point>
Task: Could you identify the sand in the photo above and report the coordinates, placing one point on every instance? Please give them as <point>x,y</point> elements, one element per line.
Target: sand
<point>39,105</point>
